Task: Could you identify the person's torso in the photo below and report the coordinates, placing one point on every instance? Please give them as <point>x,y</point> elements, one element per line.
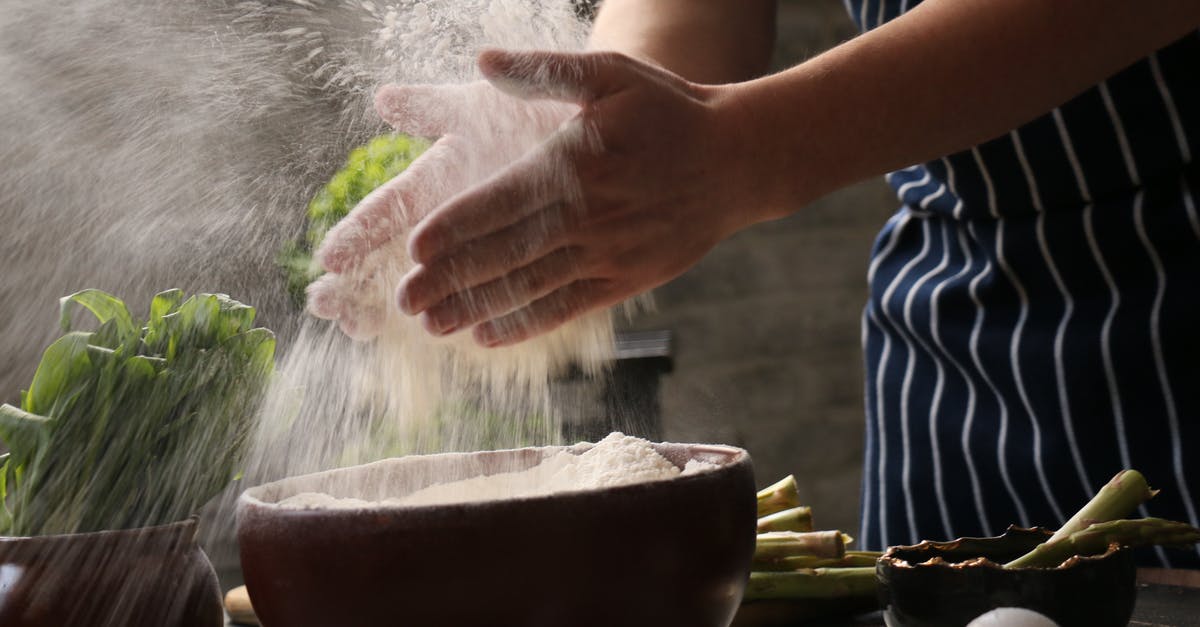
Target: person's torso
<point>1139,125</point>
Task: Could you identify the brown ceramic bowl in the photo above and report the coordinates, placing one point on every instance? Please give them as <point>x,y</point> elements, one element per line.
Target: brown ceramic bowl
<point>658,554</point>
<point>148,577</point>
<point>1092,591</point>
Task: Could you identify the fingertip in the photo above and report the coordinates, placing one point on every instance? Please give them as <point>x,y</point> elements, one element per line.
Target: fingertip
<point>363,327</point>
<point>389,102</point>
<point>405,298</point>
<point>490,335</point>
<point>435,327</point>
<point>423,243</point>
<point>330,259</point>
<point>495,61</point>
<point>321,299</point>
<point>337,251</point>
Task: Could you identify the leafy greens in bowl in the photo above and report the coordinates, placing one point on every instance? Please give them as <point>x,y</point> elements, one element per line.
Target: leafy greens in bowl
<point>135,423</point>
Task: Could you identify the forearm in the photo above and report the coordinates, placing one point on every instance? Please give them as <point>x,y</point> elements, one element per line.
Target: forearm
<point>943,77</point>
<point>705,41</point>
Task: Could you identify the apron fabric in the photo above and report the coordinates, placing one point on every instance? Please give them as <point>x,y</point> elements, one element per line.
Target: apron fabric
<point>1033,325</point>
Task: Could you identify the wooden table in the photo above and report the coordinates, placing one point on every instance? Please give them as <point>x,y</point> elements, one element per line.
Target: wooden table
<point>1166,598</point>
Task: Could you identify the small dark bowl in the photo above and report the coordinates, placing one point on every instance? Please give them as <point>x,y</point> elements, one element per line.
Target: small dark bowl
<point>965,579</point>
<point>147,577</point>
<point>655,554</point>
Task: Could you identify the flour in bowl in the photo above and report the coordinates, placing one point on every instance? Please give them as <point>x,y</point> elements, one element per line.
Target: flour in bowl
<point>616,460</point>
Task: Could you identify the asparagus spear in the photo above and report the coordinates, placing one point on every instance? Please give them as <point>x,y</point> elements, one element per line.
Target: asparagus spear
<point>814,583</point>
<point>778,544</point>
<point>1117,499</point>
<point>1097,537</point>
<point>799,562</point>
<point>793,519</point>
<point>779,496</point>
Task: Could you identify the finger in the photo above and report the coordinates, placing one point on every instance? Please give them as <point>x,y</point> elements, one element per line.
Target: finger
<point>482,260</point>
<point>503,295</point>
<point>365,325</point>
<point>395,206</point>
<point>332,297</point>
<point>427,110</point>
<point>566,76</point>
<point>325,297</point>
<point>537,180</point>
<point>547,313</point>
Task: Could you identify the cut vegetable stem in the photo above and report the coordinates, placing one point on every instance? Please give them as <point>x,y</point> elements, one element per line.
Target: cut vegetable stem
<point>780,496</point>
<point>815,583</point>
<point>1096,539</point>
<point>793,519</point>
<point>851,559</point>
<point>1117,499</point>
<point>820,544</point>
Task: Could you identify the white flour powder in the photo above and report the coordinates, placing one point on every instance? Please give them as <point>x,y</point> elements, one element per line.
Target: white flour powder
<point>616,460</point>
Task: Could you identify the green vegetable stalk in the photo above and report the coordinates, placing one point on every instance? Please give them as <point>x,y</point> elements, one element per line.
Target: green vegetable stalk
<point>1096,538</point>
<point>800,562</point>
<point>778,496</point>
<point>794,519</point>
<point>135,423</point>
<point>792,562</point>
<point>815,583</point>
<point>1117,499</point>
<point>366,168</point>
<point>778,544</point>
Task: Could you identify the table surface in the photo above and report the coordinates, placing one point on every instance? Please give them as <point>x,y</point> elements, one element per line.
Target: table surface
<point>1157,606</point>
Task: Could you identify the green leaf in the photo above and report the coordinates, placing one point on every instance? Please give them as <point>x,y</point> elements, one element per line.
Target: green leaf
<point>23,431</point>
<point>109,335</point>
<point>234,317</point>
<point>255,348</point>
<point>106,430</point>
<point>164,303</point>
<point>63,365</point>
<point>140,367</point>
<point>103,305</point>
<point>193,324</point>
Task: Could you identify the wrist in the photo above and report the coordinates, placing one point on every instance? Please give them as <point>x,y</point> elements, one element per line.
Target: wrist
<point>763,152</point>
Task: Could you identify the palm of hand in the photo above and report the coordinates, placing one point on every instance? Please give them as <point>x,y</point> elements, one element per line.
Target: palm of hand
<point>479,131</point>
<point>560,214</point>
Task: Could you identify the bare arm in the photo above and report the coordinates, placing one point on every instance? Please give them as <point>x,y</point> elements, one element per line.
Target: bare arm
<point>945,76</point>
<point>705,41</point>
<point>685,164</point>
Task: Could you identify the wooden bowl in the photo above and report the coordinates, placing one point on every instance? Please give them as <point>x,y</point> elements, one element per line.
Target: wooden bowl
<point>965,579</point>
<point>147,577</point>
<point>662,553</point>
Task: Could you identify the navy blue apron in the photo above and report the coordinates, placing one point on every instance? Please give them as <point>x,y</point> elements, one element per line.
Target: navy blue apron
<point>1034,316</point>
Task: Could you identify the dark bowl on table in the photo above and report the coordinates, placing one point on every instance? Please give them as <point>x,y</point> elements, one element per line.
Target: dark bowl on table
<point>662,553</point>
<point>965,579</point>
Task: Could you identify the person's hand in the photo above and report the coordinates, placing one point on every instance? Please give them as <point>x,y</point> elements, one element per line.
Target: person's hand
<point>479,130</point>
<point>647,177</point>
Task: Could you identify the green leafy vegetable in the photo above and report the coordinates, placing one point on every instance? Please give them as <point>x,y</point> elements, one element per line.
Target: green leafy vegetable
<point>133,424</point>
<point>366,168</point>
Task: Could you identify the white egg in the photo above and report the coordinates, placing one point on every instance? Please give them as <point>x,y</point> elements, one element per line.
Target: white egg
<point>1012,617</point>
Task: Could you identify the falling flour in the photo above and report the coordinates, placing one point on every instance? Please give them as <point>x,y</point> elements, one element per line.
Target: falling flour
<point>614,461</point>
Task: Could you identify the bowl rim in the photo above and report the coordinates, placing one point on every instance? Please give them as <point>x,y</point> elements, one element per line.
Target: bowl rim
<point>889,559</point>
<point>250,497</point>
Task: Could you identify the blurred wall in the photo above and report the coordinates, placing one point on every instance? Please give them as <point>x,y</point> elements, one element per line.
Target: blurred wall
<point>767,327</point>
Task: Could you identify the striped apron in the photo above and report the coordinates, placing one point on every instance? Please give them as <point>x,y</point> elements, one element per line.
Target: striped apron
<point>1033,324</point>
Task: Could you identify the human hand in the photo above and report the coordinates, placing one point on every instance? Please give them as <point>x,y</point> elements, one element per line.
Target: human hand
<point>480,130</point>
<point>646,178</point>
